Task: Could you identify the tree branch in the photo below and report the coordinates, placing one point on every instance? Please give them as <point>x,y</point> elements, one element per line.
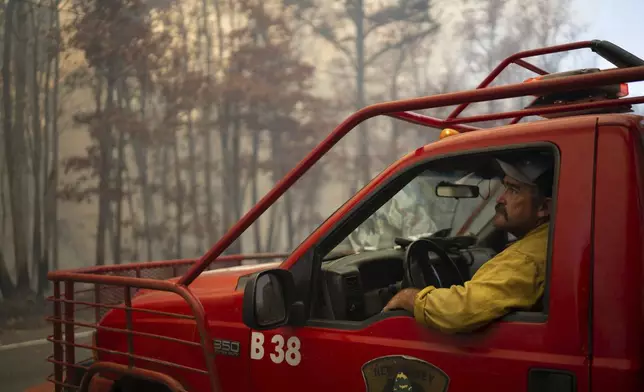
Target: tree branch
<point>332,40</point>
<point>404,41</point>
<point>372,27</point>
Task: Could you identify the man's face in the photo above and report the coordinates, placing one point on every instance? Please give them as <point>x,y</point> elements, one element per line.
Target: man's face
<point>516,210</point>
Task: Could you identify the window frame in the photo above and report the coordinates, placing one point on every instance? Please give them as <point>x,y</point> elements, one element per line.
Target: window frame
<point>384,192</point>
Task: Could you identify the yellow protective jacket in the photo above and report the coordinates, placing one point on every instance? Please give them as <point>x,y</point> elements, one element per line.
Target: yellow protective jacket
<point>511,280</point>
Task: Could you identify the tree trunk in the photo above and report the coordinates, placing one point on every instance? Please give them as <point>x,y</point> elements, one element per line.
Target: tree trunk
<point>254,174</point>
<point>37,258</point>
<point>276,173</point>
<point>15,149</point>
<point>211,230</point>
<point>47,188</point>
<point>362,156</point>
<point>7,288</point>
<point>290,224</point>
<point>179,198</point>
<point>231,175</point>
<point>130,205</point>
<point>118,217</point>
<point>273,234</point>
<point>54,147</point>
<point>105,147</point>
<point>3,198</point>
<point>225,115</point>
<point>141,159</point>
<point>207,115</point>
<point>238,197</point>
<point>192,159</point>
<point>395,123</point>
<point>118,188</point>
<point>226,175</point>
<point>165,193</point>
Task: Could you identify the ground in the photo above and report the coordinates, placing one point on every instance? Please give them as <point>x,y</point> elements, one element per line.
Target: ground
<point>23,313</point>
<point>23,348</point>
<point>23,358</point>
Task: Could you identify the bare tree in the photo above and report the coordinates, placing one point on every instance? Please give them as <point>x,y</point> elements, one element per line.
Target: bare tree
<point>496,29</point>
<point>363,35</point>
<point>14,136</point>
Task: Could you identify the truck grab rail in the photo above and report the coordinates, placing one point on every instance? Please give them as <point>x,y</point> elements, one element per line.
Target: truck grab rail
<point>66,317</point>
<point>609,51</point>
<point>126,282</point>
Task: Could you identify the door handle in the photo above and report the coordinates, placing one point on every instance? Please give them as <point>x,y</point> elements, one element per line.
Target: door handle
<point>551,380</point>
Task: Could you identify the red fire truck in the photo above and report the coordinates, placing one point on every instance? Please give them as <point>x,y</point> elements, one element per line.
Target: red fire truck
<point>313,320</point>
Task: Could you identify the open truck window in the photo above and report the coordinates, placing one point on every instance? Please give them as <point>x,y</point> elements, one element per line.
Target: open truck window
<point>450,201</point>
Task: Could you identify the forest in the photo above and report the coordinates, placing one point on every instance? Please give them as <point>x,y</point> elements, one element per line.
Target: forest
<point>139,130</point>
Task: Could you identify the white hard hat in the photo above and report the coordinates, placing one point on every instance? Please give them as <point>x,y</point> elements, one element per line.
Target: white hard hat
<point>526,171</point>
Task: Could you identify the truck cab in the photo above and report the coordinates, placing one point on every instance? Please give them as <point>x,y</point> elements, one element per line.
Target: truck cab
<point>315,319</point>
<point>593,275</point>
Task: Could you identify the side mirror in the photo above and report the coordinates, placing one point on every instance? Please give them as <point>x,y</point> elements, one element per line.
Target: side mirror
<point>269,300</point>
<point>457,191</point>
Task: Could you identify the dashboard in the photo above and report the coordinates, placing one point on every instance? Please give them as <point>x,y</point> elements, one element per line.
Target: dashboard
<point>358,286</point>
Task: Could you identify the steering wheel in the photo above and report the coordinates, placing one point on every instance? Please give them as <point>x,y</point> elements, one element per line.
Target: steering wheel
<point>443,233</point>
<point>421,271</point>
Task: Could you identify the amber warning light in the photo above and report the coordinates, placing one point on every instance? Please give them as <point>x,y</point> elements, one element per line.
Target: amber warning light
<point>447,132</point>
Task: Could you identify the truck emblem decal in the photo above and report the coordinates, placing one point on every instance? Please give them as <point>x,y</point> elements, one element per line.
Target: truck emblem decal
<point>226,347</point>
<point>401,373</point>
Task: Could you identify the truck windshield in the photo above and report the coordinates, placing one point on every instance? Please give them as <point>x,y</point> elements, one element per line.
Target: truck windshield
<point>415,211</point>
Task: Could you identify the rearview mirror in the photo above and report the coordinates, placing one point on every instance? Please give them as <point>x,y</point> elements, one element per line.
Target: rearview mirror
<point>269,299</point>
<point>457,191</point>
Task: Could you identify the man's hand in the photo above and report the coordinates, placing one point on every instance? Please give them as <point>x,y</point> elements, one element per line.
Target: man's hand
<point>403,300</point>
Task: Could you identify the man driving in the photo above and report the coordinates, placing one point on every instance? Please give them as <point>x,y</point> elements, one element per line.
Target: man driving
<point>513,279</point>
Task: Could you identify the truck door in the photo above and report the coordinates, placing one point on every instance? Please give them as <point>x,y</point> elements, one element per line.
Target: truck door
<point>619,256</point>
<point>544,350</point>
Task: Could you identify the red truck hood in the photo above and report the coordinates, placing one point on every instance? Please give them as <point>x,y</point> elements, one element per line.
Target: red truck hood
<point>209,283</point>
<point>225,279</point>
<point>220,293</point>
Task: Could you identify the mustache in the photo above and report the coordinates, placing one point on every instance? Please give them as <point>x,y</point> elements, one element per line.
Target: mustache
<point>500,208</point>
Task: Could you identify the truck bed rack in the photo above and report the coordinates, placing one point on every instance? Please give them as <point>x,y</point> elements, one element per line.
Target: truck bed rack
<point>81,298</point>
